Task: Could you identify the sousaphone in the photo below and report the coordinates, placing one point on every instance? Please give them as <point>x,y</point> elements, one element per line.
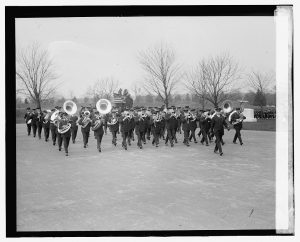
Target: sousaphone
<point>103,106</point>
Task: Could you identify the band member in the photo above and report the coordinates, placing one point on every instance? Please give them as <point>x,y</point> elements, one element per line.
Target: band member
<point>204,126</point>
<point>236,119</point>
<point>132,124</point>
<point>113,124</point>
<point>39,122</point>
<point>46,124</point>
<point>193,125</point>
<point>185,120</point>
<point>106,118</point>
<point>64,130</point>
<point>155,123</point>
<point>147,125</point>
<point>217,127</point>
<point>53,127</point>
<point>97,126</point>
<point>34,121</point>
<point>125,127</point>
<point>162,124</point>
<point>85,122</point>
<point>28,120</point>
<point>178,115</point>
<point>74,127</point>
<point>139,128</point>
<point>171,123</point>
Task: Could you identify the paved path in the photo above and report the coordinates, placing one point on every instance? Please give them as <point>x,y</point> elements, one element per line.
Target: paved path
<point>151,189</point>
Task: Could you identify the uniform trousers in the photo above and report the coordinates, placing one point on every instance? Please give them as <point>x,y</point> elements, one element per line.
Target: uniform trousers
<point>34,128</point>
<point>53,134</point>
<point>99,140</point>
<point>237,135</point>
<point>218,146</point>
<point>125,136</point>
<point>186,134</point>
<point>39,129</point>
<point>74,130</point>
<point>140,137</point>
<point>204,136</point>
<point>171,135</point>
<point>85,136</point>
<point>28,128</point>
<point>46,132</point>
<point>192,135</point>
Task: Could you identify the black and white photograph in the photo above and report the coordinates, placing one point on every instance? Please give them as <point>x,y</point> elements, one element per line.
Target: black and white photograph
<point>133,120</point>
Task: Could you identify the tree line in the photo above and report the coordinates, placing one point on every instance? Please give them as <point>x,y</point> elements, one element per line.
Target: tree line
<point>209,82</point>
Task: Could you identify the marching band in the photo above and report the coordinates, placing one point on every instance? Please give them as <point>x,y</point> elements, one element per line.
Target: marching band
<point>142,121</point>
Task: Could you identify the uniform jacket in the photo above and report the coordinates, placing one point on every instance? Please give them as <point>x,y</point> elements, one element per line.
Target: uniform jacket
<point>140,124</point>
<point>115,127</point>
<point>171,122</point>
<point>87,128</point>
<point>218,123</point>
<point>99,131</point>
<point>125,124</point>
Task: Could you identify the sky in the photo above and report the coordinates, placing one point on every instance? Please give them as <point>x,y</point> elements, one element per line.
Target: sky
<point>87,49</point>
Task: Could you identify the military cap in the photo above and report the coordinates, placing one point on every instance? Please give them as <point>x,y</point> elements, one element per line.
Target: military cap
<point>218,109</point>
<point>193,110</point>
<point>28,108</point>
<point>237,109</point>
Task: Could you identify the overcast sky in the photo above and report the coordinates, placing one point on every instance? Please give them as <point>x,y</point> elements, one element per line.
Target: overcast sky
<point>85,49</point>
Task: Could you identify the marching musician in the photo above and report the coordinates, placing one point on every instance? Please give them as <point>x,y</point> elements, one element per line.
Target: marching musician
<point>185,120</point>
<point>178,115</point>
<point>34,121</point>
<point>236,119</point>
<point>56,122</point>
<point>147,124</point>
<point>155,123</point>
<point>53,128</point>
<point>85,122</point>
<point>193,125</point>
<point>171,123</point>
<point>64,130</point>
<point>74,127</point>
<point>176,123</point>
<point>132,125</point>
<point>162,124</point>
<point>204,126</point>
<point>28,120</point>
<point>113,124</point>
<point>139,128</point>
<point>46,124</point>
<point>125,127</point>
<point>97,127</point>
<point>39,122</point>
<point>217,127</point>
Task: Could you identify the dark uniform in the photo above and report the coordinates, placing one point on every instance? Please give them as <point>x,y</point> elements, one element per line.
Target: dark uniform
<point>186,129</point>
<point>204,127</point>
<point>193,127</point>
<point>53,129</point>
<point>85,131</point>
<point>65,137</point>
<point>74,127</point>
<point>139,130</point>
<point>171,124</point>
<point>217,127</point>
<point>46,125</point>
<point>155,130</point>
<point>125,127</point>
<point>131,130</point>
<point>27,117</point>
<point>98,132</point>
<point>34,122</point>
<point>113,124</point>
<point>39,123</point>
<point>234,116</point>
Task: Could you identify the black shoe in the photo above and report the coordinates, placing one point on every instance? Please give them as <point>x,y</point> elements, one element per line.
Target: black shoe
<point>54,143</point>
<point>242,143</point>
<point>221,153</point>
<point>148,138</point>
<point>34,136</point>
<point>67,154</point>
<point>172,145</point>
<point>187,144</point>
<point>73,141</point>
<point>223,143</point>
<point>144,143</point>
<point>234,142</point>
<point>207,144</point>
<point>216,152</point>
<point>99,149</point>
<point>195,142</point>
<point>129,144</point>
<point>176,141</point>
<point>156,145</point>
<point>59,149</point>
<point>141,147</point>
<point>84,146</point>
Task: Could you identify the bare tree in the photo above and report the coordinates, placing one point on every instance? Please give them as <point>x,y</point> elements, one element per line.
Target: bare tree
<point>35,73</point>
<point>260,81</point>
<point>195,82</point>
<point>103,88</point>
<point>218,75</point>
<point>162,73</point>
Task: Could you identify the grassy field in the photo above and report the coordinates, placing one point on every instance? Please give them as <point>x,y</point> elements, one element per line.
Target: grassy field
<point>261,124</point>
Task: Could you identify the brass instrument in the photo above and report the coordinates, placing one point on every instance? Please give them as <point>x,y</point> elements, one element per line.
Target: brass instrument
<point>86,120</point>
<point>65,127</point>
<point>103,106</point>
<point>98,122</point>
<point>70,107</point>
<point>227,106</point>
<point>240,120</point>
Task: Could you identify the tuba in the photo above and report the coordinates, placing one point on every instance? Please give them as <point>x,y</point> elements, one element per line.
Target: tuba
<point>97,123</point>
<point>70,107</point>
<point>54,117</point>
<point>86,118</point>
<point>227,106</point>
<point>103,106</point>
